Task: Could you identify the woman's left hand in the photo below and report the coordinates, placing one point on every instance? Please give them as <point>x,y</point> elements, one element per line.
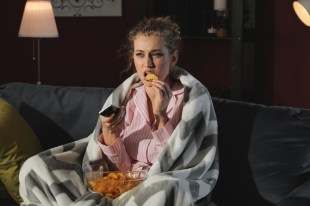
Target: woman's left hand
<point>162,98</point>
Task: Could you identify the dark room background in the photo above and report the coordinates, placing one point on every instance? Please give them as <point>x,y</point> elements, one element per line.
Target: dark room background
<point>86,52</point>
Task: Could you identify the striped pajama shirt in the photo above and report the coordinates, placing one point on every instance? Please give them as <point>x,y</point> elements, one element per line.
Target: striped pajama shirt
<point>139,142</point>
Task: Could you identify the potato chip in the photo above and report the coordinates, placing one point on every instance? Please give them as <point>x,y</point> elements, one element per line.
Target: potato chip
<point>150,77</point>
<point>113,184</point>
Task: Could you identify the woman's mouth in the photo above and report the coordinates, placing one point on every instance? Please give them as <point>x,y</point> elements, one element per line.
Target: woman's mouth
<point>148,76</point>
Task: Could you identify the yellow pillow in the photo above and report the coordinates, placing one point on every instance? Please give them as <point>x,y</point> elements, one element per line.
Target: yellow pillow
<point>17,143</point>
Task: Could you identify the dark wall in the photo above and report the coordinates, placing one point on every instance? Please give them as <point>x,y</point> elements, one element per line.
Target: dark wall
<point>208,61</point>
<point>85,54</point>
<point>264,51</point>
<point>282,63</point>
<point>291,83</point>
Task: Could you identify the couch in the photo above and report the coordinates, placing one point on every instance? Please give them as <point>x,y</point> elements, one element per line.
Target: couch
<point>264,150</point>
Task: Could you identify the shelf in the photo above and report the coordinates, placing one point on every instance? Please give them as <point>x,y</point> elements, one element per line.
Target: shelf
<point>207,38</point>
<point>194,17</point>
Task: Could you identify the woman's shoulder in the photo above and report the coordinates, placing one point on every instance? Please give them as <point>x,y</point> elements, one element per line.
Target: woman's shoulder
<point>177,88</point>
<point>134,93</point>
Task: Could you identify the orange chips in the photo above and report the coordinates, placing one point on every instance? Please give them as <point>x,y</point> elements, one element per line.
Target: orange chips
<point>150,77</point>
<point>113,184</point>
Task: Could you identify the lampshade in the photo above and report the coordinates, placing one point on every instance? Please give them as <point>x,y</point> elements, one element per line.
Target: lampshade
<point>219,5</point>
<point>38,20</point>
<point>302,8</point>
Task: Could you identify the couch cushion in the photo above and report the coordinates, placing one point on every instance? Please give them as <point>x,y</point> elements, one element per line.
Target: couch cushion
<point>235,184</point>
<point>17,143</point>
<point>57,114</point>
<point>9,202</point>
<point>298,197</point>
<point>3,192</point>
<point>294,201</point>
<point>280,153</point>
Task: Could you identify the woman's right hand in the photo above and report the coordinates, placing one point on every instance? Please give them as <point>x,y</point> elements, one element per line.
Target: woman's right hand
<point>110,129</point>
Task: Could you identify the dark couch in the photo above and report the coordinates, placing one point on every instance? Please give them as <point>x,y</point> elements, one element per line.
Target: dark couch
<point>264,150</point>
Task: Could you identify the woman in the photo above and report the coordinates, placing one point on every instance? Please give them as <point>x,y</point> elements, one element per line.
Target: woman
<point>154,108</point>
<point>165,126</point>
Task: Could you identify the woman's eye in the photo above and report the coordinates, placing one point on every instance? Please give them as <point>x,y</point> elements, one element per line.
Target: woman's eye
<point>139,54</point>
<point>158,54</point>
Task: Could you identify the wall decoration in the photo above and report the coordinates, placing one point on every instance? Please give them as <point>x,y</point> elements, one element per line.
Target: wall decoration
<point>87,8</point>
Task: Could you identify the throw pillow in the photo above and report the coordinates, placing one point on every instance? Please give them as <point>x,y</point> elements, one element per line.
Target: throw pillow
<point>279,153</point>
<point>17,143</point>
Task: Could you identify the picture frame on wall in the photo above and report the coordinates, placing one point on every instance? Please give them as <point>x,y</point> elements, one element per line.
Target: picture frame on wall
<point>87,8</point>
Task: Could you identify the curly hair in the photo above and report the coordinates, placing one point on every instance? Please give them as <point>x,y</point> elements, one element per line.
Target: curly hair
<point>159,26</point>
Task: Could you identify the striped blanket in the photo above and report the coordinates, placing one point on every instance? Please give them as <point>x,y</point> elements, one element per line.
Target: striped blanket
<point>185,172</point>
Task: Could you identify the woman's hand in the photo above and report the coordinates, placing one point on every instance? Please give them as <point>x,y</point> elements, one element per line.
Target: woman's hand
<point>110,129</point>
<point>161,101</point>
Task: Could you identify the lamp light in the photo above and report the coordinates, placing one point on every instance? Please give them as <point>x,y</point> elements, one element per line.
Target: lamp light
<point>219,5</point>
<point>302,8</point>
<point>38,22</point>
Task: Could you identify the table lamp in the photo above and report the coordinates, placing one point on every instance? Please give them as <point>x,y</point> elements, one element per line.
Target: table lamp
<point>302,8</point>
<point>38,22</point>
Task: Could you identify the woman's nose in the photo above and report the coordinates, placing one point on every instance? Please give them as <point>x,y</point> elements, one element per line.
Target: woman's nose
<point>150,62</point>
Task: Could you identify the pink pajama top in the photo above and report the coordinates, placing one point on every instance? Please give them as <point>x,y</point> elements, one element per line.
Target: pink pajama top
<point>140,143</point>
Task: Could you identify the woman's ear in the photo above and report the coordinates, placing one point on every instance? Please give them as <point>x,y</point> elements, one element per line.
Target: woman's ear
<point>174,57</point>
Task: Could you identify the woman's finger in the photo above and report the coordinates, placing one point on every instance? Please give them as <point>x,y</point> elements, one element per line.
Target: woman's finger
<point>168,90</point>
<point>105,119</point>
<point>162,86</point>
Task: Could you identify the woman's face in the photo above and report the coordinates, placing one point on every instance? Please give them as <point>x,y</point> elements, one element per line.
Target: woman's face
<point>152,56</point>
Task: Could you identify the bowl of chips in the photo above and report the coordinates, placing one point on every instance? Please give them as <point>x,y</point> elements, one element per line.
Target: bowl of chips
<point>112,184</point>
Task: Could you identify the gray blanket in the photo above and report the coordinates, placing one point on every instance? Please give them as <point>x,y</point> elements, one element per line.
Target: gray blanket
<point>185,172</point>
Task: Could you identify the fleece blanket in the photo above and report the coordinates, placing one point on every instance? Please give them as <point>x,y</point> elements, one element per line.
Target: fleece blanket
<point>185,172</point>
